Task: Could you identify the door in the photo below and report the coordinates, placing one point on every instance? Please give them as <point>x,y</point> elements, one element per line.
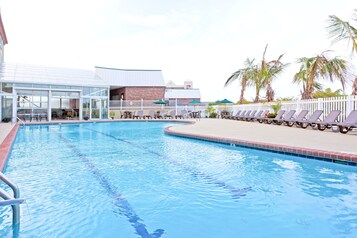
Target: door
<point>96,109</point>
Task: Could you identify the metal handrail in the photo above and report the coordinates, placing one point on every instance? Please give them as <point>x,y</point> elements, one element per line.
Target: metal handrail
<point>21,121</point>
<point>14,201</point>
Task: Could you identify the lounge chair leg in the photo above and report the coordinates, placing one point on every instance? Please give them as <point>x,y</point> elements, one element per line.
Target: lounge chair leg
<point>344,129</point>
<point>321,127</point>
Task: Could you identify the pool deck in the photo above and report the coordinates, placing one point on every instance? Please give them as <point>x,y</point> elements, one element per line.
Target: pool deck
<point>306,142</point>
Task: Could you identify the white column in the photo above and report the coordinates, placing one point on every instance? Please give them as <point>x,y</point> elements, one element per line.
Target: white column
<point>49,106</point>
<point>14,105</point>
<point>80,106</point>
<point>1,107</point>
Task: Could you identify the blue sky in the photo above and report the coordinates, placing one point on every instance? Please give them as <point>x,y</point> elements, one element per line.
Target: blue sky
<point>200,40</point>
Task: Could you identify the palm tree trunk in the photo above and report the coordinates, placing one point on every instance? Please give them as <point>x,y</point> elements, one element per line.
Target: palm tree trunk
<point>354,87</point>
<point>307,94</point>
<point>269,93</point>
<point>244,85</point>
<point>256,99</point>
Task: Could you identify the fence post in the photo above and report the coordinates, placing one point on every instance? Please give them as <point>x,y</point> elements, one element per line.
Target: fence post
<point>348,105</point>
<point>298,105</point>
<point>319,104</point>
<point>176,106</point>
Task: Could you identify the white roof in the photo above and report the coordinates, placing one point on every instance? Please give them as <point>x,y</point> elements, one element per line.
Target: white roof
<point>24,73</point>
<point>182,93</point>
<point>131,78</point>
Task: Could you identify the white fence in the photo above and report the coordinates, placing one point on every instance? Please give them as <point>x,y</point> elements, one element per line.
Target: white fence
<point>345,104</point>
<point>146,105</point>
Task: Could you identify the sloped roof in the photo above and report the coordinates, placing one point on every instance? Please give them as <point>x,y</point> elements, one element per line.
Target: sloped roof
<point>131,77</point>
<point>182,93</point>
<point>25,73</point>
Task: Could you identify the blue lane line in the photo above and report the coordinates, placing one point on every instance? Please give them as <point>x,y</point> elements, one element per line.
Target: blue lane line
<point>119,201</point>
<point>236,192</point>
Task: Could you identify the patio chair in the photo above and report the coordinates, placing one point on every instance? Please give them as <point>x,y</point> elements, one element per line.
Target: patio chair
<point>242,113</point>
<point>43,116</point>
<point>151,115</point>
<point>329,121</point>
<point>171,114</point>
<point>246,114</point>
<point>139,114</point>
<point>304,123</point>
<point>225,114</point>
<point>277,117</point>
<point>162,114</point>
<point>255,116</point>
<point>349,123</point>
<point>232,116</point>
<point>183,114</point>
<point>300,116</point>
<point>251,114</point>
<point>261,117</point>
<point>287,117</point>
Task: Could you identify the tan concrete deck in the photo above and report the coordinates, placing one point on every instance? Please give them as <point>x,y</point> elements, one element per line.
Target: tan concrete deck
<point>5,129</point>
<point>283,136</point>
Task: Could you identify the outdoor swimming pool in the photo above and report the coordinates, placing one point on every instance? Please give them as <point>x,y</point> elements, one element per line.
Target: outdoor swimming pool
<point>129,179</point>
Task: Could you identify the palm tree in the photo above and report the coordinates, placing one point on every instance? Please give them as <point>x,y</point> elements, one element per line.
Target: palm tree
<point>343,30</point>
<point>258,75</point>
<point>244,76</point>
<point>300,78</point>
<point>320,66</point>
<point>268,71</point>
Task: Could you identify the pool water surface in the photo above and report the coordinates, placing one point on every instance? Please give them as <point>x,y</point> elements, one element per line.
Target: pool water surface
<point>129,179</point>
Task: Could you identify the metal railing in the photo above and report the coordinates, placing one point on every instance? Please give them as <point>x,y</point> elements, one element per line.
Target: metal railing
<point>13,201</point>
<point>21,121</point>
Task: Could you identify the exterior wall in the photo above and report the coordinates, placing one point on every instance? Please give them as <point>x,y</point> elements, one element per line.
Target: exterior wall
<point>138,93</point>
<point>181,101</point>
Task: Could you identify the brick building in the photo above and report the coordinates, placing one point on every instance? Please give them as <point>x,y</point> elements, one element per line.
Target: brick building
<point>129,84</point>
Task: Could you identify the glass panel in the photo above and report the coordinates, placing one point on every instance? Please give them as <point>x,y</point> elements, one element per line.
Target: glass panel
<point>6,109</point>
<point>41,86</point>
<point>99,92</point>
<point>104,108</point>
<point>65,103</point>
<point>23,85</point>
<point>95,108</point>
<point>85,108</point>
<point>86,91</point>
<point>65,94</point>
<point>56,103</point>
<point>7,87</point>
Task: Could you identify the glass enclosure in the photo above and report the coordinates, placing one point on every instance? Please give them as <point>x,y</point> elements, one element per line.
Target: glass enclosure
<point>6,108</point>
<point>34,102</point>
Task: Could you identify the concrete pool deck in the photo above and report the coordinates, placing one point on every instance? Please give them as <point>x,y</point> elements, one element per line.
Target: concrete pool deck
<point>307,142</point>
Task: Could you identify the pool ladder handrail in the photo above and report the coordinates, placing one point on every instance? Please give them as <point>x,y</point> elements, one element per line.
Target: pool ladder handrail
<point>21,121</point>
<point>14,201</point>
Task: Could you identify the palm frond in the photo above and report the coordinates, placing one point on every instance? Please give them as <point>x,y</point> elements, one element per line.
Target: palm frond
<point>342,30</point>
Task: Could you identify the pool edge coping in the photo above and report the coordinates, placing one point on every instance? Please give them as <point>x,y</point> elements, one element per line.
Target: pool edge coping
<point>336,157</point>
<point>6,145</point>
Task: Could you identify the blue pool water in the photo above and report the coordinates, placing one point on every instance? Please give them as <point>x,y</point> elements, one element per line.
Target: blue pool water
<point>129,179</point>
